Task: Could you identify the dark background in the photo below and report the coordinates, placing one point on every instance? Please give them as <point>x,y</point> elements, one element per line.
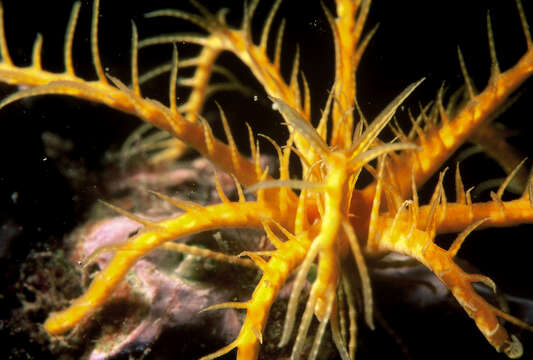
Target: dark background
<point>415,39</point>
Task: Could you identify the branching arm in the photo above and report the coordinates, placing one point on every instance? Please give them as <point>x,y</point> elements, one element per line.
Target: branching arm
<point>152,236</point>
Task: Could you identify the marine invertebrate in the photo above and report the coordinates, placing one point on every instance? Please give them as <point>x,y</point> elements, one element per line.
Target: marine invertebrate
<point>331,218</point>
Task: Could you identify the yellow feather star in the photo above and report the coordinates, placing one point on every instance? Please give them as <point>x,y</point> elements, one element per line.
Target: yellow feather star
<point>325,217</point>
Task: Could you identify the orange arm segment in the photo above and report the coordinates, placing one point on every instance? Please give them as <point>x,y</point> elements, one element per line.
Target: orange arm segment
<point>211,217</point>
<point>440,142</point>
<point>420,246</point>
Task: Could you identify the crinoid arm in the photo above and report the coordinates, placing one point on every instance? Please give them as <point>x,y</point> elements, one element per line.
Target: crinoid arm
<point>181,123</point>
<point>445,130</point>
<point>288,255</point>
<point>414,233</point>
<point>152,236</point>
<point>419,244</point>
<point>350,44</point>
<point>458,215</point>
